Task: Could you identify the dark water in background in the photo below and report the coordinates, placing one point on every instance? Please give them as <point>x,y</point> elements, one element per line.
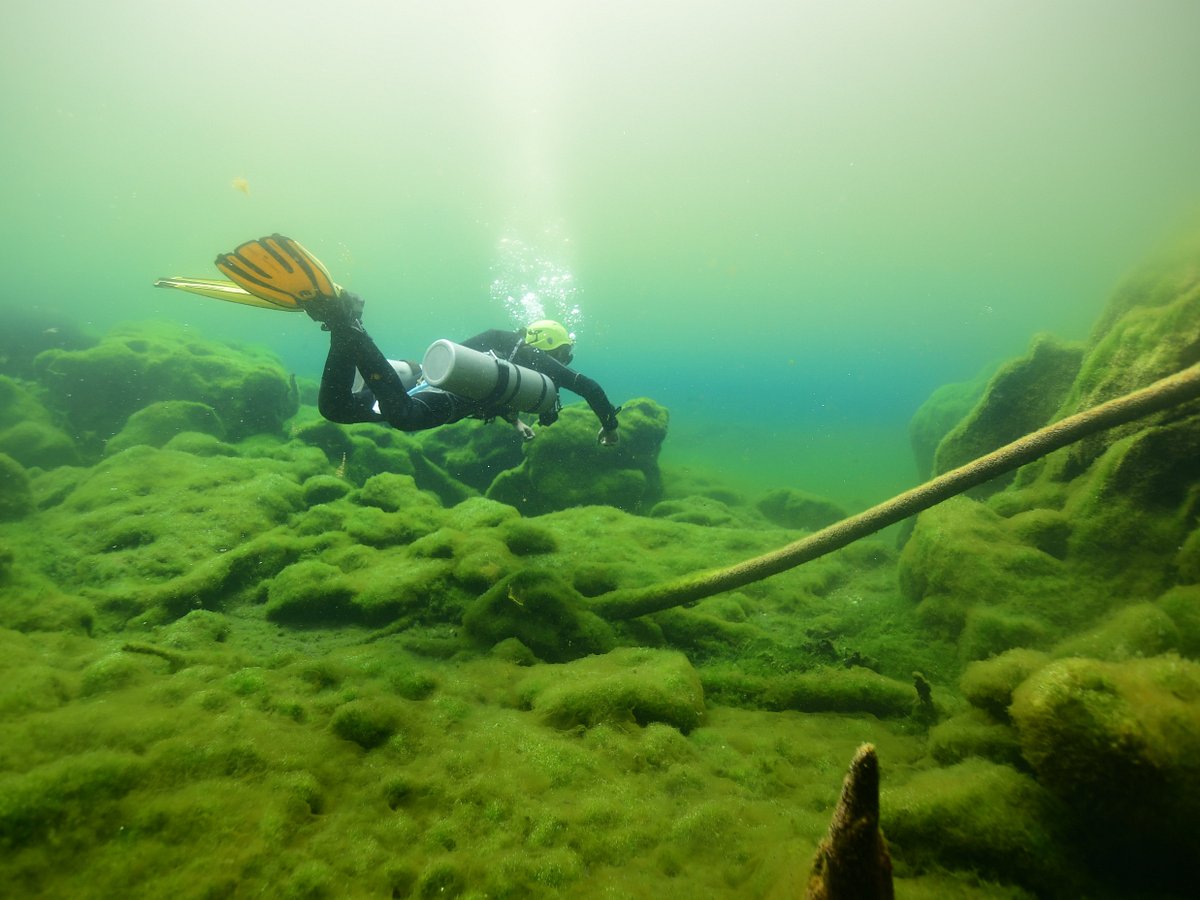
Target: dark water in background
<point>786,221</point>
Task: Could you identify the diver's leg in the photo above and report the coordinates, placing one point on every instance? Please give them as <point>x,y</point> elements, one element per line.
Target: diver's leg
<point>350,348</point>
<point>336,399</point>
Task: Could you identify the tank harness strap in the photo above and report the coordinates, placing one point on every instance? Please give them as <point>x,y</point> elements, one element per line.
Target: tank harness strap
<point>502,376</point>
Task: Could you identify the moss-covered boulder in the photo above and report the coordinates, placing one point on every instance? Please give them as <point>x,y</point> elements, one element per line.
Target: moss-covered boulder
<point>1021,397</point>
<point>946,407</point>
<point>983,817</point>
<point>838,689</point>
<point>625,686</point>
<point>248,388</point>
<point>310,593</point>
<point>368,722</point>
<point>565,467</point>
<point>695,511</point>
<point>543,612</point>
<point>1182,604</point>
<point>473,452</point>
<point>972,577</point>
<point>1150,328</point>
<point>16,495</point>
<point>789,508</point>
<point>29,431</point>
<point>155,424</point>
<point>147,525</point>
<point>974,735</point>
<point>1135,506</point>
<point>1137,630</point>
<point>989,684</point>
<point>1119,744</point>
<point>40,445</point>
<point>27,330</point>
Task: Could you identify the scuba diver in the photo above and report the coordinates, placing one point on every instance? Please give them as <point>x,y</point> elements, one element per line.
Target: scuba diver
<point>496,374</point>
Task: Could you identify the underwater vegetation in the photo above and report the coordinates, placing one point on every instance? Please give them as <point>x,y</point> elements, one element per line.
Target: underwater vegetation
<point>248,651</point>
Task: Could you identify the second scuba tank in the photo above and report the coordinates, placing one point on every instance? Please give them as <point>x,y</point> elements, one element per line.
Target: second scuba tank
<point>495,382</point>
<point>409,372</point>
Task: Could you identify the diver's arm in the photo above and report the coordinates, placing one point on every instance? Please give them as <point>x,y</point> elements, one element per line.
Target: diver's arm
<point>577,383</point>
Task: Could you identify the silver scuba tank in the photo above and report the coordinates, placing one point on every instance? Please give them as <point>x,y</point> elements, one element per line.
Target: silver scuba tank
<point>484,377</point>
<point>409,374</point>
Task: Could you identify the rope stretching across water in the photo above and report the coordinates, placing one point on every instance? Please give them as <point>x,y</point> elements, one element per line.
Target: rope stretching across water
<point>1163,394</point>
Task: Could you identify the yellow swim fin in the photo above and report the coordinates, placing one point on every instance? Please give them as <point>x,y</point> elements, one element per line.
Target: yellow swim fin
<point>218,289</point>
<point>278,271</point>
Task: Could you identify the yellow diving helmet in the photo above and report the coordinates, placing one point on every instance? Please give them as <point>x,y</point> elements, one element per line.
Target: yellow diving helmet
<point>546,334</point>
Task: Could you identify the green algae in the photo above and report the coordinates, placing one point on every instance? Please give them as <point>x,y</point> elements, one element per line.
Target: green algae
<point>790,508</point>
<point>624,686</point>
<point>1118,741</point>
<point>158,423</point>
<point>542,612</point>
<point>318,655</point>
<point>16,495</point>
<point>938,818</point>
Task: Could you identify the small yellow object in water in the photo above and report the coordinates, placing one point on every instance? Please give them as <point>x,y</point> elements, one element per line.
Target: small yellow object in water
<point>242,185</point>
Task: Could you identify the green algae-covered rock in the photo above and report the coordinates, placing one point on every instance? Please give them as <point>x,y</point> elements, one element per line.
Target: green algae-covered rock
<point>39,444</point>
<point>543,612</point>
<point>16,495</point>
<point>1049,530</point>
<point>20,402</point>
<point>694,510</point>
<point>47,798</point>
<point>830,689</point>
<point>1135,506</point>
<point>248,388</point>
<point>333,439</point>
<point>1021,397</point>
<point>963,558</point>
<point>119,670</point>
<point>525,538</point>
<point>32,602</point>
<point>144,517</point>
<point>1137,630</point>
<point>324,489</point>
<point>627,685</point>
<point>1188,559</point>
<point>410,588</point>
<point>790,508</point>
<point>310,593</point>
<point>472,452</point>
<point>982,817</point>
<point>973,734</point>
<point>158,422</point>
<point>988,631</point>
<point>198,629</point>
<point>989,684</point>
<point>1119,743</point>
<point>565,467</point>
<point>946,407</point>
<point>852,689</point>
<point>368,723</point>
<point>1182,604</point>
<point>1149,329</point>
<point>392,492</point>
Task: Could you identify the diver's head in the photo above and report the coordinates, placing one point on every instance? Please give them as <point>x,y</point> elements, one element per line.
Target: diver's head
<point>552,338</point>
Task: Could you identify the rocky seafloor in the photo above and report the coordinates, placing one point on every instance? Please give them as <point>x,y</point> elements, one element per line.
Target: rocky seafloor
<point>246,652</point>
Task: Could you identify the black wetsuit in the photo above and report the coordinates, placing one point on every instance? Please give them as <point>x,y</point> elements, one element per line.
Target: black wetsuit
<point>350,348</point>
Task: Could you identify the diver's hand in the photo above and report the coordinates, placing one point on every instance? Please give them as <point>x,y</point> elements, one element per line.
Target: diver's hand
<point>607,437</point>
<point>524,431</point>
